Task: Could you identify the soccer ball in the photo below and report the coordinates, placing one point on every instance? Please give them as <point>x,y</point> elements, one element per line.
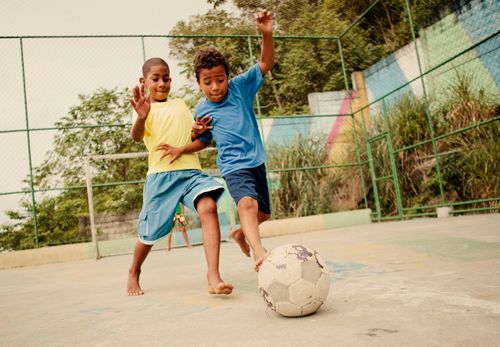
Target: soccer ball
<point>294,280</point>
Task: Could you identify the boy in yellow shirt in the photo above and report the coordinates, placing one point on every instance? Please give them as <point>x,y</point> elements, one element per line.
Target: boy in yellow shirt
<point>174,174</point>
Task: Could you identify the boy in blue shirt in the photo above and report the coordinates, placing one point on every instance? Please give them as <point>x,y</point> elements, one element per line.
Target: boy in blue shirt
<point>241,155</point>
<point>174,174</point>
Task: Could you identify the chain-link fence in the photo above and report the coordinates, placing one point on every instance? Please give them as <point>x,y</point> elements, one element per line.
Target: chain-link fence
<point>388,108</point>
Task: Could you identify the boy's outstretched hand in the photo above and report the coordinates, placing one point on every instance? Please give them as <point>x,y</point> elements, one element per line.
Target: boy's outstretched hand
<point>202,125</point>
<point>175,152</point>
<point>140,102</point>
<point>264,21</point>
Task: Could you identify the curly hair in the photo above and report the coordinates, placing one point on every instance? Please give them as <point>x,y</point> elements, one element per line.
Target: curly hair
<point>207,58</point>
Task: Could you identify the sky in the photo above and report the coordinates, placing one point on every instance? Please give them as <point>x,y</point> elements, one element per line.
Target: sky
<point>95,17</point>
<point>70,17</point>
<point>58,70</point>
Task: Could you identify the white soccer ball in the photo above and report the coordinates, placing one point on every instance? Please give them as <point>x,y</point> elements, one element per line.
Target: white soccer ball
<point>294,280</point>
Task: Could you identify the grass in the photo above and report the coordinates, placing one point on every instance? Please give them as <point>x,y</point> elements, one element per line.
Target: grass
<point>469,161</point>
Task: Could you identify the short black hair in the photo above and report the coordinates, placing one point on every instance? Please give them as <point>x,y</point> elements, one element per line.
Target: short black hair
<point>152,62</point>
<point>207,58</point>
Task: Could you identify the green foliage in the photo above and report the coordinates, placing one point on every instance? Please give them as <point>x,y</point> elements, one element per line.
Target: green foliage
<point>97,125</point>
<point>57,222</point>
<point>469,160</point>
<point>297,193</point>
<point>189,94</point>
<point>387,23</point>
<point>303,66</point>
<point>16,234</point>
<point>408,124</point>
<point>472,163</point>
<point>208,159</point>
<point>214,22</point>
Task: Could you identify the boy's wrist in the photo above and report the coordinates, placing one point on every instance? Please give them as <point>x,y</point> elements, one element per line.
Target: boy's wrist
<point>142,117</point>
<point>194,135</point>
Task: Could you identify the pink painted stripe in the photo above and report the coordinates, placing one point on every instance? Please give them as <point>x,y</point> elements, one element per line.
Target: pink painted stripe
<point>337,125</point>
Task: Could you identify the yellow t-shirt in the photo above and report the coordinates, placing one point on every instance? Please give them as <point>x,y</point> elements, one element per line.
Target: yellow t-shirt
<point>169,122</point>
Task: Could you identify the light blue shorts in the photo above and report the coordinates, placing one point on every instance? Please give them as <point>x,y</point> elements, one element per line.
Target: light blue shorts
<point>162,193</point>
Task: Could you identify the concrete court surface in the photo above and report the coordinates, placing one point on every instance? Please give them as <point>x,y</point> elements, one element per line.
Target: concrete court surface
<point>425,282</point>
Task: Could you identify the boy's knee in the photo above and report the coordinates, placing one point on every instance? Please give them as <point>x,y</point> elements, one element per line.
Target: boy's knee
<point>206,206</point>
<point>247,203</point>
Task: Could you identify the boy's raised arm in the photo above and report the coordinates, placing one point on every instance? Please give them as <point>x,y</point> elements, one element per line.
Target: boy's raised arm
<point>264,21</point>
<point>142,105</point>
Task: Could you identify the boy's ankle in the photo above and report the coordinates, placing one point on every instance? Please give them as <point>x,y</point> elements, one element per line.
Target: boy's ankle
<point>134,271</point>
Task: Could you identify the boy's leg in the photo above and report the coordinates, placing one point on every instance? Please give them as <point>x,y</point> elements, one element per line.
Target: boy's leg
<point>239,237</point>
<point>248,187</point>
<point>248,210</point>
<point>162,193</point>
<point>185,236</point>
<point>207,211</point>
<point>140,253</point>
<point>203,193</point>
<point>169,241</point>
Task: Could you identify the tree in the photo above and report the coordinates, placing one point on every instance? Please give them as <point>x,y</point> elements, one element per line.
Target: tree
<point>305,66</point>
<point>214,22</point>
<point>98,125</point>
<point>301,66</point>
<point>315,65</point>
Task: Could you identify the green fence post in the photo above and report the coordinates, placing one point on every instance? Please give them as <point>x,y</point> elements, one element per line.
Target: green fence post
<point>33,203</point>
<point>257,101</point>
<point>374,180</point>
<point>259,112</point>
<point>143,49</point>
<point>426,103</point>
<point>392,160</point>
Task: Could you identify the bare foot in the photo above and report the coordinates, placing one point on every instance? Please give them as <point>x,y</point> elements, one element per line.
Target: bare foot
<point>219,287</point>
<point>238,237</point>
<point>133,287</point>
<point>222,288</point>
<point>259,260</point>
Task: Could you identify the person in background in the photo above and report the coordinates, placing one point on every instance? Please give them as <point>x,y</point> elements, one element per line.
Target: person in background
<point>180,223</point>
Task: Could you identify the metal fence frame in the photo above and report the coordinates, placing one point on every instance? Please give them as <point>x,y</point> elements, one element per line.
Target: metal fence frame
<point>366,141</point>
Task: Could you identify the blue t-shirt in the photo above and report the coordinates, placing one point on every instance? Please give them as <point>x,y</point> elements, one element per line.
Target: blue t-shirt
<point>235,129</point>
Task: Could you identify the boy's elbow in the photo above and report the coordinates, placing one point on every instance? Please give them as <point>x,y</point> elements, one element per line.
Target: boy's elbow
<point>266,66</point>
<point>136,137</point>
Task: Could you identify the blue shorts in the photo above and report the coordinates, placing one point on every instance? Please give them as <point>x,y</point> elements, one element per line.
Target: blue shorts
<point>250,182</point>
<point>162,193</point>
